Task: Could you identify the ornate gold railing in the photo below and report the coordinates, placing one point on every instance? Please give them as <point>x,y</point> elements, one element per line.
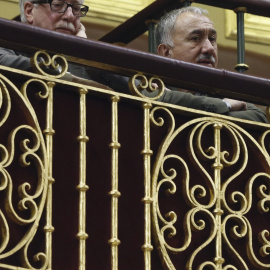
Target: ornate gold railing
<point>205,180</point>
<point>97,179</point>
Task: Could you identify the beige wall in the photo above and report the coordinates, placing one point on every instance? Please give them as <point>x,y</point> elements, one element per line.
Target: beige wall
<point>9,9</point>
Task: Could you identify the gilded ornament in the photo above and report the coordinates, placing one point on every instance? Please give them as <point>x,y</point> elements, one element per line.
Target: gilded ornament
<point>44,64</point>
<point>154,84</point>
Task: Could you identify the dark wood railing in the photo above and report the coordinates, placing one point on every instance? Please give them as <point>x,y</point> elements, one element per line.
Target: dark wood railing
<point>127,62</point>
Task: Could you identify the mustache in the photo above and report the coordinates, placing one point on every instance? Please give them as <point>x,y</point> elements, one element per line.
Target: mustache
<point>66,25</point>
<point>203,57</point>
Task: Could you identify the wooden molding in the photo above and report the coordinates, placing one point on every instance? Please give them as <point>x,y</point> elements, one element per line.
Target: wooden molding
<point>116,11</point>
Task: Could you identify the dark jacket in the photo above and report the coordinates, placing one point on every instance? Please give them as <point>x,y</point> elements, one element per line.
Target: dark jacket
<point>119,83</point>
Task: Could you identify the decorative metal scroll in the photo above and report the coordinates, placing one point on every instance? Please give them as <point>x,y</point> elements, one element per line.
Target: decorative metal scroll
<point>211,196</point>
<point>139,84</point>
<point>44,64</point>
<point>23,181</point>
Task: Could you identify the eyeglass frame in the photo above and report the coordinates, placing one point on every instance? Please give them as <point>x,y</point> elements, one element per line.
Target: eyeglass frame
<point>67,6</point>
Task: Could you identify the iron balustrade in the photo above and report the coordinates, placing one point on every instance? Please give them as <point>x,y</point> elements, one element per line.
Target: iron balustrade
<point>116,176</point>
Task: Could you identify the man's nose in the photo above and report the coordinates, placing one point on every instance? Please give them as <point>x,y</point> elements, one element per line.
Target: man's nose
<point>69,13</point>
<point>207,46</point>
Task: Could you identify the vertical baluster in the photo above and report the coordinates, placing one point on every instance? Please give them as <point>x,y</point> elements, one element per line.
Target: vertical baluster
<point>218,212</point>
<point>147,200</point>
<point>114,193</point>
<point>241,66</point>
<point>82,187</point>
<point>49,132</point>
<point>151,35</point>
<point>186,3</point>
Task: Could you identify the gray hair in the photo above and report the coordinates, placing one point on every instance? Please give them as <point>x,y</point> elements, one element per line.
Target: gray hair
<point>165,27</point>
<point>21,3</point>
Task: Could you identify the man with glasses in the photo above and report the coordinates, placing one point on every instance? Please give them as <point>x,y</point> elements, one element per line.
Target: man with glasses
<point>63,17</point>
<point>55,15</point>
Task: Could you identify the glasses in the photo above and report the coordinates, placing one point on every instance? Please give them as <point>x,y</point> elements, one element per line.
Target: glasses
<point>61,6</point>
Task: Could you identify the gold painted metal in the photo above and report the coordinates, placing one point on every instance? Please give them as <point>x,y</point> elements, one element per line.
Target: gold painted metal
<point>241,9</point>
<point>32,199</point>
<point>114,193</point>
<point>262,142</point>
<point>241,66</point>
<point>49,132</point>
<point>82,187</point>
<point>154,85</point>
<point>57,63</point>
<point>147,200</point>
<point>217,210</point>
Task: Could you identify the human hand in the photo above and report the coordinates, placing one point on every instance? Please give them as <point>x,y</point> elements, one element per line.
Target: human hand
<point>236,105</point>
<point>81,31</point>
<point>155,86</point>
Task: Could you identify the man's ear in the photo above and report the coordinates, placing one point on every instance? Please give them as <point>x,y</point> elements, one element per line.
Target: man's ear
<point>164,50</point>
<point>28,12</point>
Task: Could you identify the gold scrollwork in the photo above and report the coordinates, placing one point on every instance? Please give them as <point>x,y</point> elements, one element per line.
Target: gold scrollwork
<point>4,102</point>
<point>23,196</point>
<point>264,142</point>
<point>211,207</point>
<point>44,64</point>
<point>264,250</point>
<point>154,85</point>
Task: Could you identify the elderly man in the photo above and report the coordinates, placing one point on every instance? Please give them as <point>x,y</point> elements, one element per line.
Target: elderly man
<point>64,17</point>
<point>187,34</point>
<point>55,15</point>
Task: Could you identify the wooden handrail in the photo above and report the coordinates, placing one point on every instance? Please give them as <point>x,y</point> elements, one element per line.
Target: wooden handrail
<point>128,62</point>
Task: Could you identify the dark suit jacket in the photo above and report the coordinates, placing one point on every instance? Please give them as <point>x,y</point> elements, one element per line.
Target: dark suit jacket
<point>120,84</point>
